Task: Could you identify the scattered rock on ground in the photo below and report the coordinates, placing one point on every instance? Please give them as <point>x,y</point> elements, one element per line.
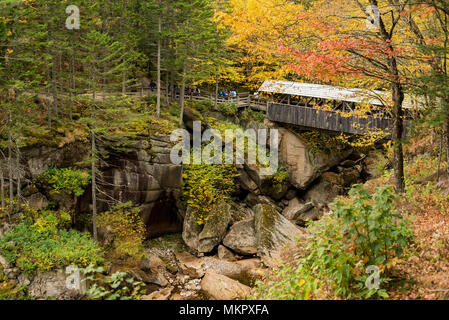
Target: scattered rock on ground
<point>294,205</point>
<point>220,287</point>
<point>225,253</point>
<point>190,265</point>
<point>162,294</point>
<point>227,268</point>
<point>309,212</point>
<point>51,284</point>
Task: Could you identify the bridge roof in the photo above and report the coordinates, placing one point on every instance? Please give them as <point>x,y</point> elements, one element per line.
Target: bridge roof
<point>373,97</point>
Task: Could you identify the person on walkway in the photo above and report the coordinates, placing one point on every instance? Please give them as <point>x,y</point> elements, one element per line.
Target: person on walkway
<point>153,85</point>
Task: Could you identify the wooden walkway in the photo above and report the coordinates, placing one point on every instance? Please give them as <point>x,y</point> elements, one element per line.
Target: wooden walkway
<point>298,115</point>
<point>243,100</point>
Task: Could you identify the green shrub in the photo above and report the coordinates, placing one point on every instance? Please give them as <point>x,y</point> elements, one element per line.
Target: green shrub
<point>51,221</point>
<point>118,286</point>
<point>364,230</point>
<point>203,105</point>
<point>67,180</point>
<point>228,108</point>
<point>32,250</point>
<point>279,178</point>
<point>127,228</point>
<point>205,185</point>
<point>250,115</point>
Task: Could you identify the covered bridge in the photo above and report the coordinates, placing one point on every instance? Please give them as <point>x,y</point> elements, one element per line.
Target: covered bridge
<point>329,107</point>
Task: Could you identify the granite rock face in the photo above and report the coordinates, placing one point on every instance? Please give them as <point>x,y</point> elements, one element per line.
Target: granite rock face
<point>142,174</point>
<point>204,238</point>
<point>274,233</point>
<point>302,164</point>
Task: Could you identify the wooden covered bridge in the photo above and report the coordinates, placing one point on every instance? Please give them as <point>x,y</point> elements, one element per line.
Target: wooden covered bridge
<point>330,108</point>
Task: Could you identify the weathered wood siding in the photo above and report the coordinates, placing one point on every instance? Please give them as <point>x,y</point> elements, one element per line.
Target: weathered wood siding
<point>326,120</point>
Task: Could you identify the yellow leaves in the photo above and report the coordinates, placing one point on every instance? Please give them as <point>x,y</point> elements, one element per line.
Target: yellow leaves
<point>9,51</point>
<point>257,28</point>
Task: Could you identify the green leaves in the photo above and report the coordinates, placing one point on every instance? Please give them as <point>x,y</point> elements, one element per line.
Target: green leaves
<point>117,286</point>
<point>364,230</point>
<point>44,251</point>
<point>68,180</point>
<point>205,185</point>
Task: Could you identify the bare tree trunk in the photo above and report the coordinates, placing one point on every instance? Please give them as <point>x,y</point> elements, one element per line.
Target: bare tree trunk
<point>49,105</point>
<point>73,83</point>
<point>167,85</point>
<point>158,102</point>
<point>54,88</point>
<point>216,87</point>
<point>183,88</point>
<point>398,98</point>
<point>123,82</point>
<point>10,173</point>
<point>94,182</point>
<point>398,128</point>
<point>18,172</point>
<point>447,143</point>
<point>2,189</point>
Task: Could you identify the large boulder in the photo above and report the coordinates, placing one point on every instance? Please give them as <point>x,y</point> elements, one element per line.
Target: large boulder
<point>191,230</point>
<point>220,287</point>
<point>294,205</point>
<point>190,265</point>
<point>37,201</point>
<point>52,284</point>
<point>374,164</point>
<point>274,233</point>
<point>225,253</point>
<point>241,238</point>
<point>39,159</point>
<point>204,238</point>
<point>229,269</point>
<point>303,163</point>
<point>240,211</point>
<point>326,189</point>
<point>215,228</point>
<point>247,183</point>
<point>309,212</point>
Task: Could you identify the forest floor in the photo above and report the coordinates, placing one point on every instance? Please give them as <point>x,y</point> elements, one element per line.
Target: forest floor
<point>424,274</point>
